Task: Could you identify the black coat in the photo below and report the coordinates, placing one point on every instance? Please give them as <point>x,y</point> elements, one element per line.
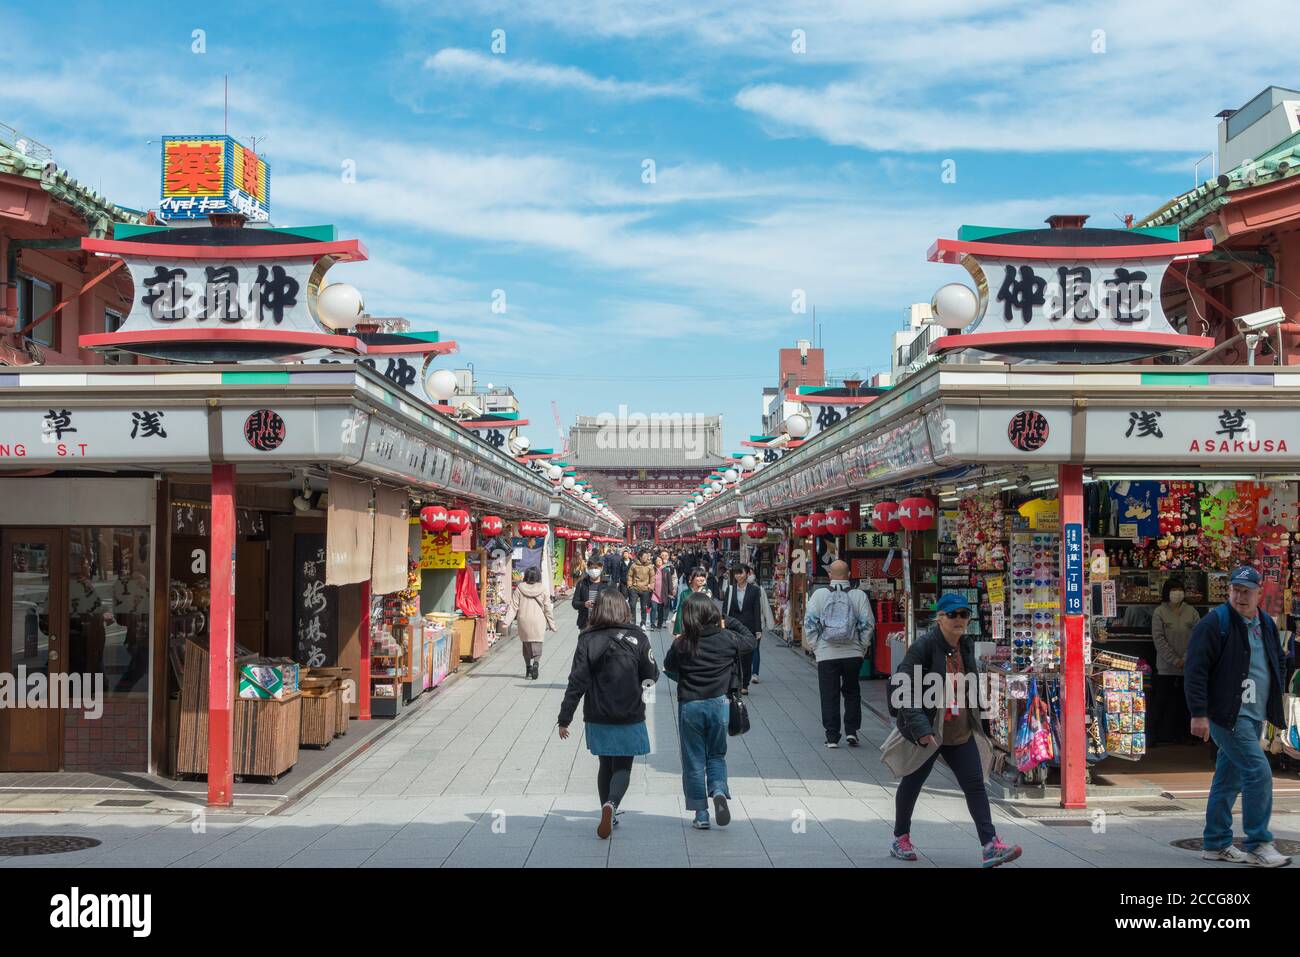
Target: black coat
<point>752,613</point>
<point>615,570</point>
<point>707,673</point>
<point>610,667</point>
<point>588,589</point>
<point>930,654</point>
<point>1217,665</point>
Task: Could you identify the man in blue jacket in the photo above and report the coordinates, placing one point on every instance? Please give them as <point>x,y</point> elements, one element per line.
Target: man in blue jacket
<point>1233,681</point>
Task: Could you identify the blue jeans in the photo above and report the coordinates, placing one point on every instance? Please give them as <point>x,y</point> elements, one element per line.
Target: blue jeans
<point>702,726</point>
<point>754,668</point>
<point>1242,768</point>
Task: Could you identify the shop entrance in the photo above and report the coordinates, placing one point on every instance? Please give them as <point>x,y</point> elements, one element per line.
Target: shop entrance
<point>33,641</point>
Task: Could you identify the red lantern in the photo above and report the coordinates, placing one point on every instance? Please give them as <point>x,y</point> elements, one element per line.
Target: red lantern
<point>818,520</point>
<point>491,525</point>
<point>433,518</point>
<point>457,521</point>
<point>837,521</point>
<point>801,525</point>
<point>916,514</point>
<point>884,517</point>
<point>757,530</point>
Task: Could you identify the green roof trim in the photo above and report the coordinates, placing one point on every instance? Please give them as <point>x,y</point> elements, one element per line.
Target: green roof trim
<point>975,234</point>
<point>424,336</point>
<point>1175,378</point>
<point>315,234</point>
<point>249,378</point>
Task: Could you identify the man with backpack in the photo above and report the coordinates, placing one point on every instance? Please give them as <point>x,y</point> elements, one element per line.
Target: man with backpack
<point>838,627</point>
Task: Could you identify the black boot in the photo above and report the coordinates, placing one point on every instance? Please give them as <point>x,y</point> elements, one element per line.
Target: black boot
<point>532,668</point>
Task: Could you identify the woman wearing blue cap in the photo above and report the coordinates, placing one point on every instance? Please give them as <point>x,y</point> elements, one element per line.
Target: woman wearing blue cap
<point>944,656</point>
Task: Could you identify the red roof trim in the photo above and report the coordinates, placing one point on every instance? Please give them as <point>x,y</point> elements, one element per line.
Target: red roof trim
<point>952,250</point>
<point>348,250</point>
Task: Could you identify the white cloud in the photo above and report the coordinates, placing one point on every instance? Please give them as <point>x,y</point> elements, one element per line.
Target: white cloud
<point>495,70</point>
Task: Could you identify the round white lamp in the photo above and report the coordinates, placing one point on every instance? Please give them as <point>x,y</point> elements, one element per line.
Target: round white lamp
<point>699,500</point>
<point>570,481</point>
<point>748,462</point>
<point>731,475</point>
<point>520,444</point>
<point>554,472</point>
<point>339,306</point>
<point>441,384</point>
<point>716,486</point>
<point>797,425</point>
<point>955,306</point>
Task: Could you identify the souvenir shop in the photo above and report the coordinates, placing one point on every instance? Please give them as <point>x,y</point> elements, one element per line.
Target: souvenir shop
<point>955,484</point>
<point>150,513</point>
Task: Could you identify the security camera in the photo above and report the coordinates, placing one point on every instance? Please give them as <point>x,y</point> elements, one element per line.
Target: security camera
<point>1264,319</point>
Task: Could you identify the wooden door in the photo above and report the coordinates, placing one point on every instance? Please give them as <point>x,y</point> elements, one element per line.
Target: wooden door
<point>33,645</point>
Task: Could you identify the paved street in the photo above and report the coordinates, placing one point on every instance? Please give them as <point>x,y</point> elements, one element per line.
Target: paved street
<point>477,777</point>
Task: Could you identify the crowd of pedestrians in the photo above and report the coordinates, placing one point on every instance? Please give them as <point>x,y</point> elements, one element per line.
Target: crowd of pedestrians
<point>1231,683</point>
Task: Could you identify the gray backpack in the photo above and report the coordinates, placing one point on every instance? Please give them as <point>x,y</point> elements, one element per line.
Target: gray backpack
<point>839,623</point>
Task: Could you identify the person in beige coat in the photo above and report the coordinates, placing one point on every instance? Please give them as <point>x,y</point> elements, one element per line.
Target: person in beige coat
<point>531,607</point>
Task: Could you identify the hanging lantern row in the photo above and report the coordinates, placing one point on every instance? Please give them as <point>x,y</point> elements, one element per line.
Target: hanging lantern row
<point>884,517</point>
<point>917,514</point>
<point>457,521</point>
<point>491,524</point>
<point>533,529</point>
<point>731,531</point>
<point>433,518</point>
<point>756,530</point>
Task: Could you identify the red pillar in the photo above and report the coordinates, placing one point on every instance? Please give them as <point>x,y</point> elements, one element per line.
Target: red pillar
<point>363,682</point>
<point>221,645</point>
<point>1073,736</point>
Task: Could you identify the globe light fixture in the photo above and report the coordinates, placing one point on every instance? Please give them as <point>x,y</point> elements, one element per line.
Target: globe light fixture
<point>731,475</point>
<point>570,482</point>
<point>554,472</point>
<point>441,384</point>
<point>339,306</point>
<point>716,486</point>
<point>520,444</point>
<point>955,306</point>
<point>748,462</point>
<point>797,425</point>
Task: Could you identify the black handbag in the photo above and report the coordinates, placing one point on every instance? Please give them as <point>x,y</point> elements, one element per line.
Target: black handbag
<point>737,711</point>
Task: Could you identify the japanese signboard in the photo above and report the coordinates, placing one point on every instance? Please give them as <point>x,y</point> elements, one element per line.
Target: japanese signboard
<point>315,605</point>
<point>202,175</point>
<point>871,541</point>
<point>436,552</point>
<point>1073,577</point>
<point>1211,434</point>
<point>1079,293</point>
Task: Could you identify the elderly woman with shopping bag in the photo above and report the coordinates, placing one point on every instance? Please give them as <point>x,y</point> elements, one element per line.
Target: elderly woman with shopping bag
<point>945,655</point>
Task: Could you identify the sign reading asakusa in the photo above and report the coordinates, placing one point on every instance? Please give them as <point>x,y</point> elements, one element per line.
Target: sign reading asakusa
<point>1227,431</point>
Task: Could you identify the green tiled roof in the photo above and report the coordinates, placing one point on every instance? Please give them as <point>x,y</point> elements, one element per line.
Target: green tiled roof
<point>1280,162</point>
<point>98,212</point>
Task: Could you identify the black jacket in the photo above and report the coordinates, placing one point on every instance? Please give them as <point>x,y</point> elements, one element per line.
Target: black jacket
<point>930,654</point>
<point>588,589</point>
<point>1218,665</point>
<point>609,668</point>
<point>707,673</point>
<point>615,570</point>
<point>752,613</point>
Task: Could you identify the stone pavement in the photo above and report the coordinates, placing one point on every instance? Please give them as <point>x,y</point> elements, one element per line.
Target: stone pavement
<point>477,777</point>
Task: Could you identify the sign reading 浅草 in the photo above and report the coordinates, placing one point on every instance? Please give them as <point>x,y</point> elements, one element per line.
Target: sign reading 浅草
<point>1213,434</point>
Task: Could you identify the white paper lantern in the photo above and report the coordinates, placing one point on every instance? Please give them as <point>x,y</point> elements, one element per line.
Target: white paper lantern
<point>520,444</point>
<point>570,482</point>
<point>748,462</point>
<point>554,472</point>
<point>441,384</point>
<point>955,306</point>
<point>339,306</point>
<point>731,475</point>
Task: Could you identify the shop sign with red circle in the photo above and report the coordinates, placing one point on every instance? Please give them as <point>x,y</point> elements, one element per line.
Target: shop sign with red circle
<point>1027,431</point>
<point>264,430</point>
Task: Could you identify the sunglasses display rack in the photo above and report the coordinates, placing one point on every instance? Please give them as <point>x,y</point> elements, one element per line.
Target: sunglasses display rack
<point>1033,587</point>
<point>956,579</point>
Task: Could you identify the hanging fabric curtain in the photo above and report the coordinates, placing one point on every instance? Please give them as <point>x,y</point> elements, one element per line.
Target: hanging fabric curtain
<point>349,534</point>
<point>467,597</point>
<point>388,569</point>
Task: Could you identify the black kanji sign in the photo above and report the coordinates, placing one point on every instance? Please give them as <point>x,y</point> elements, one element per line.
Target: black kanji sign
<point>264,430</point>
<point>1028,431</point>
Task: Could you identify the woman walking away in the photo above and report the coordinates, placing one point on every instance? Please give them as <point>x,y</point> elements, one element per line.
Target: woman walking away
<point>612,665</point>
<point>531,607</point>
<point>696,581</point>
<point>702,662</point>
<point>943,656</point>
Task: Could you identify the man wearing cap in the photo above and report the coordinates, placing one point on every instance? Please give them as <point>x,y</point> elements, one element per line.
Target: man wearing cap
<point>1233,681</point>
<point>838,626</point>
<point>927,729</point>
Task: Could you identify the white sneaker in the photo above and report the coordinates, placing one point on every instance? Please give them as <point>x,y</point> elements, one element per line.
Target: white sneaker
<point>1267,855</point>
<point>1231,854</point>
<point>832,744</point>
<point>756,679</point>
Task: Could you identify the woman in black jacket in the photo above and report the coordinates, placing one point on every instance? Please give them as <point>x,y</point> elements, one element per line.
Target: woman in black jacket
<point>702,662</point>
<point>612,666</point>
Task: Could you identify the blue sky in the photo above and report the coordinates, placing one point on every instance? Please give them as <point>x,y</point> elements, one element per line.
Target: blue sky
<point>775,170</point>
